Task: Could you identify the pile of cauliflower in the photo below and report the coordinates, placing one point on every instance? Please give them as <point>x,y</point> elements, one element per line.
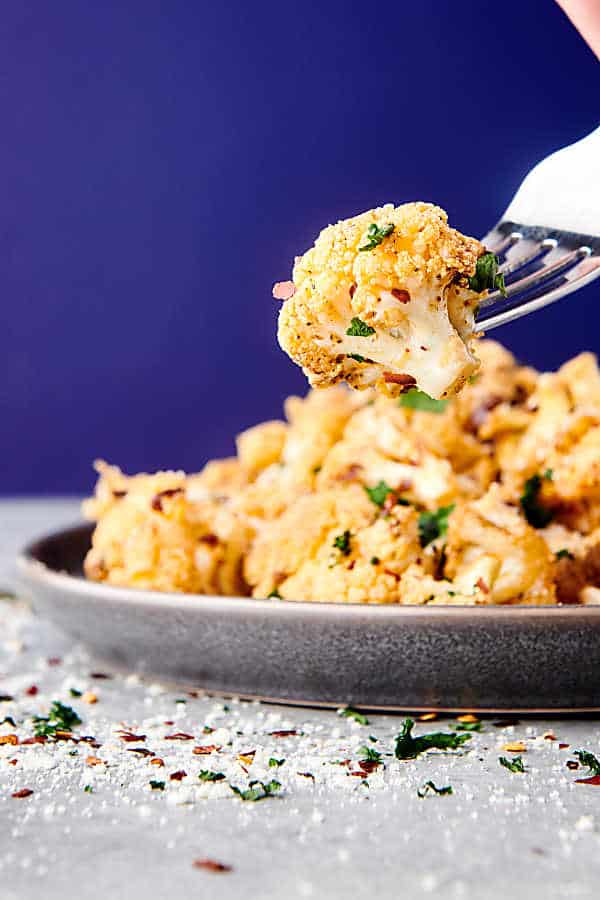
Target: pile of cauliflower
<point>489,497</point>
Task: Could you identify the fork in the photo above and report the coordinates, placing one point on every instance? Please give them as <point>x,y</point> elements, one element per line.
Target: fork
<point>548,241</point>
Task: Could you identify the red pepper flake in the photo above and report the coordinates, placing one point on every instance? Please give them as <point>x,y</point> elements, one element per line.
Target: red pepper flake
<point>24,792</point>
<point>100,675</point>
<point>5,698</point>
<point>32,691</point>
<point>549,736</point>
<point>290,733</point>
<point>341,762</point>
<point>157,500</point>
<point>54,661</point>
<point>571,764</point>
<point>205,749</point>
<point>407,381</point>
<point>157,761</point>
<point>401,295</point>
<point>179,736</point>
<point>9,739</point>
<point>480,583</point>
<point>352,290</point>
<point>212,541</point>
<point>178,776</point>
<point>38,739</point>
<point>130,737</point>
<point>593,779</point>
<point>563,746</point>
<point>368,765</point>
<point>306,775</point>
<point>13,762</point>
<point>142,751</point>
<point>211,865</point>
<point>283,290</point>
<point>168,722</point>
<point>192,694</point>
<point>358,774</point>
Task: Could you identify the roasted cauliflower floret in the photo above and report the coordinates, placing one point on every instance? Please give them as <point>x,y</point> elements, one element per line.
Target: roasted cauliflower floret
<point>334,546</point>
<point>491,548</point>
<point>383,300</point>
<point>148,535</point>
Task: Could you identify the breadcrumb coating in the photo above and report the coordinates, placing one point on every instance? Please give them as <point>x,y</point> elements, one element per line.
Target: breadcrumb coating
<point>492,497</point>
<point>390,313</point>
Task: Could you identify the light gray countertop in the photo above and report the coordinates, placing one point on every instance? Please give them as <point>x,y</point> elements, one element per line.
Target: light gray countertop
<point>498,835</point>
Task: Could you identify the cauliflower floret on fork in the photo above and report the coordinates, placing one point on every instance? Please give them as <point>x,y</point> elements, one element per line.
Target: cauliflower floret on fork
<point>387,299</point>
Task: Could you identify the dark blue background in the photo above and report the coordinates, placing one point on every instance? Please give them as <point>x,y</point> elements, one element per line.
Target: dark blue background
<point>162,162</point>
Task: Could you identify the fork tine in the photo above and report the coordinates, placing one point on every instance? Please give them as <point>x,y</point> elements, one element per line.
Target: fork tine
<point>547,273</point>
<point>585,270</point>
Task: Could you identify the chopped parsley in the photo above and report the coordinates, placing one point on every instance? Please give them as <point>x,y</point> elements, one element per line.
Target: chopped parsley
<point>349,713</point>
<point>549,474</point>
<point>157,785</point>
<point>487,277</point>
<point>274,594</point>
<point>258,790</point>
<point>378,494</point>
<point>88,789</point>
<point>60,718</point>
<point>513,765</point>
<point>358,328</point>
<point>342,543</point>
<point>74,692</point>
<point>416,399</point>
<point>375,235</point>
<point>536,514</point>
<point>429,786</point>
<point>369,754</point>
<point>564,554</point>
<point>408,747</point>
<point>434,524</point>
<point>207,775</point>
<point>375,560</point>
<point>468,726</point>
<point>589,760</point>
<point>275,763</point>
<point>357,357</point>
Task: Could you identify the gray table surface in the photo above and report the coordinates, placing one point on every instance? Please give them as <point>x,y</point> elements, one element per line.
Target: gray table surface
<point>500,834</point>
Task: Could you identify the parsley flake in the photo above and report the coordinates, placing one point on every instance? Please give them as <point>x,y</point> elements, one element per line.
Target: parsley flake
<point>88,789</point>
<point>375,236</point>
<point>536,514</point>
<point>589,760</point>
<point>350,713</point>
<point>74,692</point>
<point>358,328</point>
<point>60,718</point>
<point>468,726</point>
<point>342,543</point>
<point>157,785</point>
<point>378,494</point>
<point>487,277</point>
<point>369,754</point>
<point>274,595</point>
<point>357,357</point>
<point>275,763</point>
<point>409,747</point>
<point>416,399</point>
<point>513,765</point>
<point>429,787</point>
<point>564,554</point>
<point>434,524</point>
<point>375,560</point>
<point>257,790</point>
<point>207,775</point>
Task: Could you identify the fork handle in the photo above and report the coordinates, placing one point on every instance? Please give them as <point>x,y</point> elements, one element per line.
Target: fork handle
<point>563,191</point>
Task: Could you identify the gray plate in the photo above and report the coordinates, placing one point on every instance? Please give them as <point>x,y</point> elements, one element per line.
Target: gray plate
<point>387,657</point>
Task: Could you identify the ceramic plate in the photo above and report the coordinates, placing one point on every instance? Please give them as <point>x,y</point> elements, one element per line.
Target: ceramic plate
<point>387,657</point>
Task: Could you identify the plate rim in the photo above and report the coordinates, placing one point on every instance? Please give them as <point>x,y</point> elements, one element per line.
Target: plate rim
<point>35,571</point>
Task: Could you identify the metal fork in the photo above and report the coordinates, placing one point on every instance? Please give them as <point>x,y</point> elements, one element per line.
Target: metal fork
<point>548,241</point>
